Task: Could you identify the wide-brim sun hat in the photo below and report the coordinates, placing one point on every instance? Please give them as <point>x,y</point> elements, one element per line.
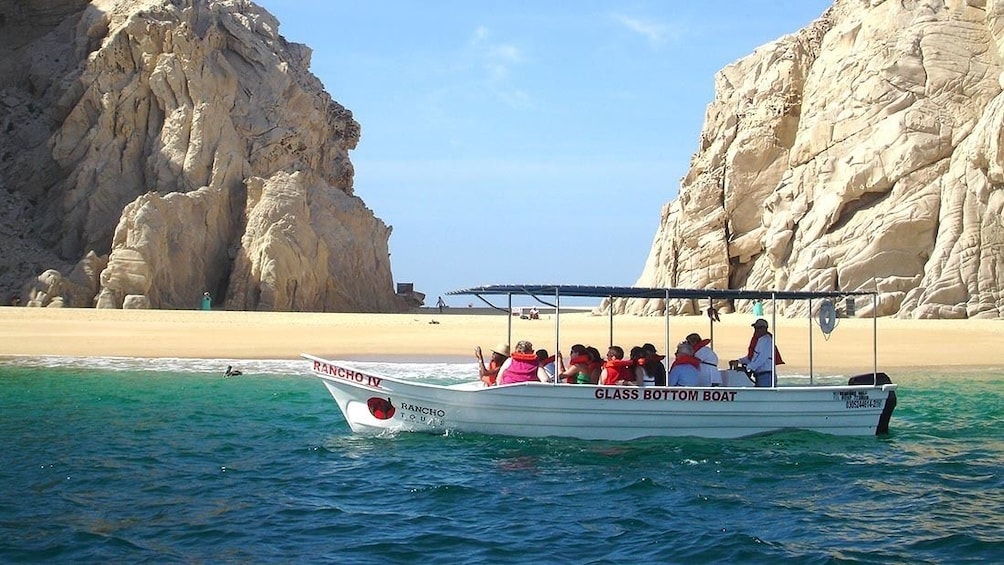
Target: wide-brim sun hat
<point>501,349</point>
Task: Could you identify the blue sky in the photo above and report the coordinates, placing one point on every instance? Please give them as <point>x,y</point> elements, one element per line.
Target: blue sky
<point>517,141</point>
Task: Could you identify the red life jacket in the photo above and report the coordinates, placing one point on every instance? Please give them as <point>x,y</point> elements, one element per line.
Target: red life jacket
<point>687,360</point>
<point>618,370</point>
<point>752,349</point>
<point>577,360</point>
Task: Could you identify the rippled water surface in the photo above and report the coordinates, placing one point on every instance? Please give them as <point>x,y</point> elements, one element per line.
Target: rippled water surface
<point>112,460</point>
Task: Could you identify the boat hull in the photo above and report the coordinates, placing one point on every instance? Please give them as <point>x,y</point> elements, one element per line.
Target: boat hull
<point>379,404</point>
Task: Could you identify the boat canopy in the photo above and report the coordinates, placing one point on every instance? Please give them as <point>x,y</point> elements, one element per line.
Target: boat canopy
<point>556,291</point>
<point>588,291</point>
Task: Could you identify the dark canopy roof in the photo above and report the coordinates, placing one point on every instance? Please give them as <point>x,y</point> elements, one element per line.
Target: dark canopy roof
<point>586,291</point>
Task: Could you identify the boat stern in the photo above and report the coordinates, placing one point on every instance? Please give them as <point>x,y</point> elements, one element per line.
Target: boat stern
<point>881,380</point>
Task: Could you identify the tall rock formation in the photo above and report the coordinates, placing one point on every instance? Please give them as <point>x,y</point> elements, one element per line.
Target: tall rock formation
<point>863,152</point>
<point>173,147</point>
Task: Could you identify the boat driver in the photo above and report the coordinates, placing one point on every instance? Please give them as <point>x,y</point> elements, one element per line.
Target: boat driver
<point>759,359</point>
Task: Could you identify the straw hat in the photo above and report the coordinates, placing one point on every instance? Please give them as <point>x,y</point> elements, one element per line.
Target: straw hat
<point>501,349</point>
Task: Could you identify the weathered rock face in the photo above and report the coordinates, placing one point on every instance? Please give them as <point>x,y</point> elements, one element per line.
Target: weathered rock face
<point>172,138</point>
<point>863,152</point>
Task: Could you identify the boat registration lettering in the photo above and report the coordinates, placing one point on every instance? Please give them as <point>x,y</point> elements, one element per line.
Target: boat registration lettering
<point>857,399</point>
<point>347,374</point>
<point>683,395</point>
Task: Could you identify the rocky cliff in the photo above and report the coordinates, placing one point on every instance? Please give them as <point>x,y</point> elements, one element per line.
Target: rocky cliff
<point>154,150</point>
<point>863,152</point>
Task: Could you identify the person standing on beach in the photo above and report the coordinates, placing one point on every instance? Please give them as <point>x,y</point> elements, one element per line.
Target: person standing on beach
<point>489,374</point>
<point>441,304</point>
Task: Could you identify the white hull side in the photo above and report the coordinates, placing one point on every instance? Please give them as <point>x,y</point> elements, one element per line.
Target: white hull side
<point>594,412</point>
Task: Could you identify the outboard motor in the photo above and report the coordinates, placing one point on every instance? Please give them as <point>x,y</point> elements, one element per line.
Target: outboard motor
<point>890,403</point>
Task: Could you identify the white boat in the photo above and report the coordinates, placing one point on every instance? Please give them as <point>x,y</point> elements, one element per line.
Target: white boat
<point>377,404</point>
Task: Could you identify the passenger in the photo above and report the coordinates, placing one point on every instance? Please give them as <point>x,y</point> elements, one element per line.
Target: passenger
<point>710,376</point>
<point>638,367</point>
<point>595,364</point>
<point>489,374</point>
<point>523,366</point>
<point>617,370</point>
<point>578,368</point>
<point>655,370</point>
<point>547,363</point>
<point>640,356</point>
<point>685,370</point>
<point>759,359</point>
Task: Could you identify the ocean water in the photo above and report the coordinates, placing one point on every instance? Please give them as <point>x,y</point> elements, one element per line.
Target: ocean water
<point>167,461</point>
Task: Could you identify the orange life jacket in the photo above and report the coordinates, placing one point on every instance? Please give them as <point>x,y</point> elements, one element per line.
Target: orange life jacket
<point>618,370</point>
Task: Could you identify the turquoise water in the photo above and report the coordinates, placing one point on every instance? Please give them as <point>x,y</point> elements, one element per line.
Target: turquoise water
<point>168,461</point>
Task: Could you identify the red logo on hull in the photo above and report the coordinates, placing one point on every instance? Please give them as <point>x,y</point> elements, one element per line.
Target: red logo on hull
<point>381,408</point>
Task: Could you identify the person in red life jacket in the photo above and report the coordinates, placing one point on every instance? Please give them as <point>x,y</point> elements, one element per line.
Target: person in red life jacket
<point>577,371</point>
<point>489,374</point>
<point>762,356</point>
<point>709,360</point>
<point>617,370</point>
<point>522,366</point>
<point>655,370</point>
<point>686,368</point>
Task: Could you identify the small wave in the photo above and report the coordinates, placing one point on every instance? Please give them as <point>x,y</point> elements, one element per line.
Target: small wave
<point>440,373</point>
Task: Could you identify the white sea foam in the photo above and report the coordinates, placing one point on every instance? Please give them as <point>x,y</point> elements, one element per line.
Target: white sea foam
<point>442,373</point>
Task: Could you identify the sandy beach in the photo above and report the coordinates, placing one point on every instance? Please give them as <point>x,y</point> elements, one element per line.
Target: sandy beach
<point>428,335</point>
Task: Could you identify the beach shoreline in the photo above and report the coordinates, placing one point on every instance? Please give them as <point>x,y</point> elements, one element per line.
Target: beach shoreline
<point>427,336</point>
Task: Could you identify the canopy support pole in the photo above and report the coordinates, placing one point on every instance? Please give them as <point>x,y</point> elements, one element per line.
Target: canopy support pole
<point>773,354</point>
<point>875,338</point>
<point>810,341</point>
<point>557,335</point>
<point>665,317</point>
<point>610,302</point>
<point>509,331</point>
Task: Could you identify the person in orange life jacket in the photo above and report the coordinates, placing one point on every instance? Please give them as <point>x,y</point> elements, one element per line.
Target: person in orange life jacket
<point>685,370</point>
<point>709,360</point>
<point>522,366</point>
<point>761,357</point>
<point>577,371</point>
<point>489,374</point>
<point>617,371</point>
<point>655,370</point>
